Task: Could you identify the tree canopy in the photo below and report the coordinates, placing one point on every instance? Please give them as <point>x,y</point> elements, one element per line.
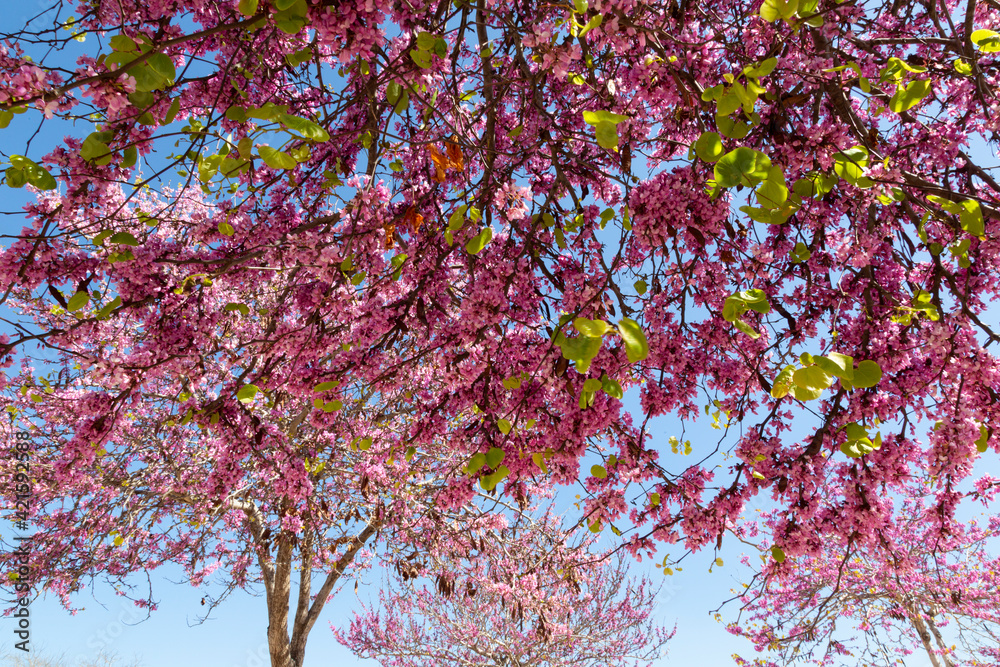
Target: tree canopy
<point>313,266</point>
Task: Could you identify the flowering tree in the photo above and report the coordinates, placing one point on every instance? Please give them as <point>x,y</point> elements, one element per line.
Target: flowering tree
<point>925,592</point>
<point>464,230</point>
<point>263,484</point>
<point>604,620</point>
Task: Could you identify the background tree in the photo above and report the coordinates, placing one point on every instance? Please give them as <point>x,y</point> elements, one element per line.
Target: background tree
<point>502,216</point>
<point>919,592</point>
<point>34,659</point>
<point>246,486</point>
<point>605,619</point>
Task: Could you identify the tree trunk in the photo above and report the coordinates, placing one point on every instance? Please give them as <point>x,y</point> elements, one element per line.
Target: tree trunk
<point>288,650</point>
<point>925,636</point>
<point>940,642</point>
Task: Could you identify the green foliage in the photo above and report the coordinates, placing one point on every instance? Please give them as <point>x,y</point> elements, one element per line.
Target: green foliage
<point>708,147</point>
<point>910,95</point>
<point>247,393</point>
<point>479,241</point>
<point>23,170</point>
<point>636,346</point>
<point>858,441</point>
<point>606,127</point>
<point>988,41</point>
<point>78,301</point>
<point>304,127</point>
<point>737,304</point>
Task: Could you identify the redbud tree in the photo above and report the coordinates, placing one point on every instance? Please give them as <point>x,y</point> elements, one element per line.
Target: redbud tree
<point>602,619</point>
<point>876,603</point>
<point>431,246</point>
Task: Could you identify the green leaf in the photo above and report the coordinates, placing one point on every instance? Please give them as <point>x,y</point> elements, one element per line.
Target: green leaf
<point>762,69</point>
<point>805,187</point>
<point>772,193</point>
<point>731,128</point>
<point>302,55</point>
<point>16,178</point>
<point>777,554</point>
<point>733,308</point>
<point>94,148</point>
<point>592,328</point>
<point>326,386</point>
<point>756,299</point>
<point>595,22</point>
<point>146,78</point>
<point>504,426</point>
<point>800,253</point>
<point>122,43</point>
<point>276,159</point>
<point>175,106</point>
<point>426,40</point>
<point>37,175</point>
<point>489,482</point>
<point>734,165</point>
<point>983,442</point>
<point>962,67</point>
<point>293,18</point>
<point>746,328</point>
<point>269,111</point>
<point>636,346</point>
<point>495,457</point>
<point>163,66</point>
<point>78,301</point>
<point>457,219</point>
<point>5,117</point>
<point>598,471</point>
<point>247,393</point>
<point>607,136</point>
<point>479,241</point>
<point>708,148</point>
<point>910,96</point>
<point>129,157</point>
<point>839,365</point>
<point>988,41</point>
<point>105,310</point>
<point>611,387</point>
<point>804,394</point>
<point>850,164</point>
<point>242,308</point>
<point>972,217</point>
<point>247,7</point>
<point>124,238</point>
<point>476,463</point>
<point>728,103</point>
<point>579,350</point>
<point>783,383</point>
<point>597,117</point>
<point>812,378</point>
<point>304,127</point>
<point>423,59</point>
<point>867,374</point>
<point>226,229</point>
